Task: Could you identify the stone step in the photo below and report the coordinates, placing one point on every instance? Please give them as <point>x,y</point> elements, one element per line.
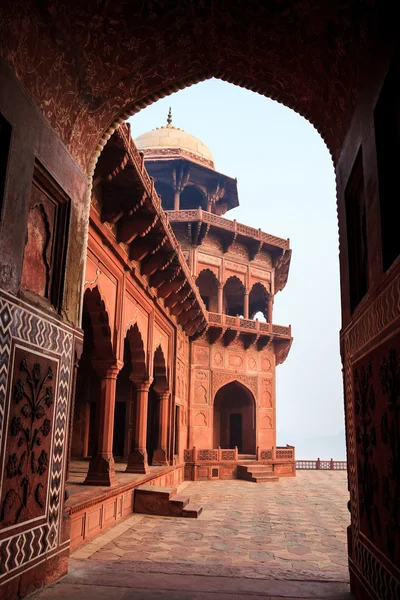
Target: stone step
<point>177,504</point>
<point>192,511</point>
<point>264,479</point>
<point>153,500</point>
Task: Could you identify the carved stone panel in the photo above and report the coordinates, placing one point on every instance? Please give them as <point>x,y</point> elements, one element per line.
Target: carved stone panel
<point>220,378</point>
<point>266,393</point>
<point>218,358</point>
<point>265,419</point>
<point>376,383</point>
<point>235,361</point>
<point>252,362</point>
<point>29,432</point>
<point>201,418</point>
<point>201,355</point>
<point>201,387</point>
<point>266,363</point>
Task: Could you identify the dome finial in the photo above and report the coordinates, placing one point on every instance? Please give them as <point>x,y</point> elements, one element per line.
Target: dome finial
<point>169,118</point>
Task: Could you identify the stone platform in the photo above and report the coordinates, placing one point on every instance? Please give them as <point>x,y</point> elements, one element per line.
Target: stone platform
<point>286,540</point>
<point>95,509</point>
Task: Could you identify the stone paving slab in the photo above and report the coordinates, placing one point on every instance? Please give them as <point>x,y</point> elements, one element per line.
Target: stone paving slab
<point>295,528</point>
<point>252,541</point>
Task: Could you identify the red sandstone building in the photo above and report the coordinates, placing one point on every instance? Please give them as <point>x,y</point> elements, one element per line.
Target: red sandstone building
<point>69,76</point>
<point>175,371</point>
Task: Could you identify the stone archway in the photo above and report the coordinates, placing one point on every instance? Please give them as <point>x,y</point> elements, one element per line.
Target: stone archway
<point>235,418</point>
<point>326,60</point>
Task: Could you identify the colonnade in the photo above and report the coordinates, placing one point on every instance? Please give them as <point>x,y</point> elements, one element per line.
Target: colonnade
<point>101,466</point>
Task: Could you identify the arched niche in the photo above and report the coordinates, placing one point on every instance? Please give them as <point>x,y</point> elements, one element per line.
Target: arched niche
<point>207,283</point>
<point>234,296</point>
<point>234,421</point>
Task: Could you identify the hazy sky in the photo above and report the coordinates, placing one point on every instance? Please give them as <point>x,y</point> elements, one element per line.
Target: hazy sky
<point>286,187</point>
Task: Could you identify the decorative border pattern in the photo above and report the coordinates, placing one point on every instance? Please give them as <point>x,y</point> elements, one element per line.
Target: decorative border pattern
<point>382,311</point>
<point>19,323</point>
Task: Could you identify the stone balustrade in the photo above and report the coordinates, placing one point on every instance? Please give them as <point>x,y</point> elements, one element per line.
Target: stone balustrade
<point>199,214</point>
<point>321,465</point>
<point>250,325</point>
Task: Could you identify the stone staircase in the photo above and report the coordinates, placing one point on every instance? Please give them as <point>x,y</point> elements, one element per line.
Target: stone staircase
<point>165,502</point>
<point>255,472</point>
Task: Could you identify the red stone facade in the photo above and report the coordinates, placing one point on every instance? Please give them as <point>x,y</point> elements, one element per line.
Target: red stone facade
<point>60,100</point>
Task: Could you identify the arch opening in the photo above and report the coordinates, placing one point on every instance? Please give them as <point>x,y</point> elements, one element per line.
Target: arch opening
<point>258,299</point>
<point>207,283</point>
<point>158,386</point>
<point>235,418</point>
<point>234,297</point>
<point>192,197</point>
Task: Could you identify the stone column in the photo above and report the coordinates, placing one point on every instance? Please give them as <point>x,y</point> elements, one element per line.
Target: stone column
<point>246,304</point>
<point>220,298</point>
<point>101,466</point>
<point>177,200</point>
<point>137,459</point>
<point>270,305</point>
<point>161,454</point>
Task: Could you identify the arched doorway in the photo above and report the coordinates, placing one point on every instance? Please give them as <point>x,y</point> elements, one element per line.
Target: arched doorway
<point>258,301</point>
<point>235,418</point>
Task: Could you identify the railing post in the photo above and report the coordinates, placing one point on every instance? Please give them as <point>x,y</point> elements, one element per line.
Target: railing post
<point>274,453</point>
<point>219,453</point>
<point>236,453</point>
<point>258,453</point>
<point>194,454</point>
<point>331,465</point>
<point>318,464</point>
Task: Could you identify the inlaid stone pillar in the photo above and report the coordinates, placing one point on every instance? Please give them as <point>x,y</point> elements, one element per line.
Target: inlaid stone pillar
<point>270,305</point>
<point>161,454</point>
<point>101,466</point>
<point>137,459</point>
<point>220,298</point>
<point>246,304</point>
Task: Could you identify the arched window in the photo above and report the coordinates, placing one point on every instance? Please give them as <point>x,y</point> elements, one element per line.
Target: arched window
<point>192,197</point>
<point>258,300</point>
<point>208,288</point>
<point>234,297</point>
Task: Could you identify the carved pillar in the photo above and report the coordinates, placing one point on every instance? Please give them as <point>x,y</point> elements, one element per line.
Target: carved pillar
<point>270,305</point>
<point>101,466</point>
<point>220,298</point>
<point>177,200</point>
<point>161,454</point>
<point>246,304</point>
<point>137,459</point>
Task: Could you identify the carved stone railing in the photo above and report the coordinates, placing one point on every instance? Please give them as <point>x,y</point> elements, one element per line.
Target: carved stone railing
<point>321,465</point>
<point>195,455</point>
<point>250,325</point>
<point>207,217</point>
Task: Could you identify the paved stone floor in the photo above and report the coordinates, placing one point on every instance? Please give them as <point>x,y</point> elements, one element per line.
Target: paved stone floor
<point>274,540</point>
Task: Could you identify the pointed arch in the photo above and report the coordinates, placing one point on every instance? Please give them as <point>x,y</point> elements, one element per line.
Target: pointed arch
<point>160,372</point>
<point>139,369</point>
<point>234,423</point>
<point>207,283</point>
<point>96,317</point>
<point>258,299</point>
<point>234,296</point>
